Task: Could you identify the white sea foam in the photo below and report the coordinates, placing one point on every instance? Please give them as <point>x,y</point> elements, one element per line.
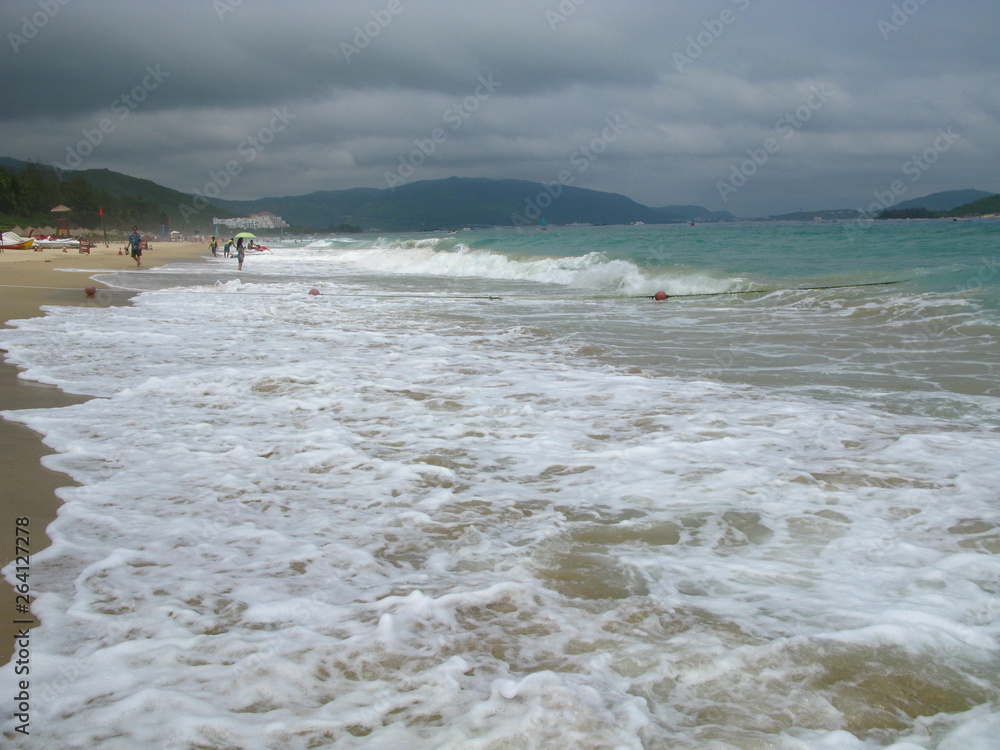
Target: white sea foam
<point>388,521</point>
<point>427,257</point>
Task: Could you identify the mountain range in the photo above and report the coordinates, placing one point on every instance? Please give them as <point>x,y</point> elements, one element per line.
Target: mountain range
<point>461,201</point>
<point>457,201</point>
<point>424,205</point>
<point>449,203</point>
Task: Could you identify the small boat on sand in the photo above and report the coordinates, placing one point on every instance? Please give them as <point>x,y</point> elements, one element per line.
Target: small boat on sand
<point>11,241</point>
<point>57,243</point>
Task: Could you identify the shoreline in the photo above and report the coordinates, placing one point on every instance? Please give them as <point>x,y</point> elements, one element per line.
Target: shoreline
<point>28,281</point>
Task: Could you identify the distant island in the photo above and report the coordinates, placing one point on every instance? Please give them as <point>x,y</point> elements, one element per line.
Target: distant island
<point>988,207</point>
<point>946,204</point>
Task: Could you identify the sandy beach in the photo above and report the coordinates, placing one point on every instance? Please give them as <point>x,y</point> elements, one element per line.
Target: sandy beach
<point>29,280</point>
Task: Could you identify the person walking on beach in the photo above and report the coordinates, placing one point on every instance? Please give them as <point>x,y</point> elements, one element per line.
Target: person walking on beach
<point>214,246</point>
<point>135,246</point>
<point>239,256</point>
<point>225,249</point>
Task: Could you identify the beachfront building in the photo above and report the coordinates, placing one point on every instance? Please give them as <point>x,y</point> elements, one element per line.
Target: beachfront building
<point>262,220</point>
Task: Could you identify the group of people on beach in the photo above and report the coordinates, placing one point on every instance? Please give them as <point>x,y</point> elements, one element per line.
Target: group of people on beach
<point>134,248</point>
<point>227,249</point>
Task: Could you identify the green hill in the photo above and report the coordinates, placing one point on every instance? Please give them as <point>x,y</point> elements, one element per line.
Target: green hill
<point>29,190</point>
<point>981,207</point>
<point>932,205</point>
<point>943,201</point>
<point>184,211</point>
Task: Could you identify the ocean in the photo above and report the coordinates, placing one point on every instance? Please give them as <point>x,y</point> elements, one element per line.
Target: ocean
<point>483,491</point>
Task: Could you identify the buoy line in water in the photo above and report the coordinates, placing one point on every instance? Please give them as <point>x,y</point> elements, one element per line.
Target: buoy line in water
<point>659,296</point>
<point>312,292</point>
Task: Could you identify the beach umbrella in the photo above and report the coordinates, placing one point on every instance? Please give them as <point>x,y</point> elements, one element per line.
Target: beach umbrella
<point>246,234</point>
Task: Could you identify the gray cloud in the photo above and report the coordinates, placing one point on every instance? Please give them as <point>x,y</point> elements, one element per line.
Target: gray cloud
<point>175,91</point>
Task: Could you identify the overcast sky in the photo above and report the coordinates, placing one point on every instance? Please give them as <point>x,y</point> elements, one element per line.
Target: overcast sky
<point>753,106</point>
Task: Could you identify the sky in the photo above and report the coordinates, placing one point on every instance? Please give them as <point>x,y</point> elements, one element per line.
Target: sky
<point>756,107</point>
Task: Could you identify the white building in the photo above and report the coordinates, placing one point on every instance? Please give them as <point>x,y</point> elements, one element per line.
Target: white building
<point>263,220</point>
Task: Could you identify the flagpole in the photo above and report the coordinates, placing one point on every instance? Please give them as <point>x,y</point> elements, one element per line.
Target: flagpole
<point>101,211</point>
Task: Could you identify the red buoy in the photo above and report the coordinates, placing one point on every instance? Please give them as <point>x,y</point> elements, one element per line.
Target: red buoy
<point>90,289</point>
<point>314,292</point>
<point>660,296</point>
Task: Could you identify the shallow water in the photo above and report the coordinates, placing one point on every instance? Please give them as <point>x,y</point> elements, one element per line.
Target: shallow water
<point>482,491</point>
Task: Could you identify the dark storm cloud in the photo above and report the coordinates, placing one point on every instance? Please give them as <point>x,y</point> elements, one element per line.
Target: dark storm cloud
<point>303,96</point>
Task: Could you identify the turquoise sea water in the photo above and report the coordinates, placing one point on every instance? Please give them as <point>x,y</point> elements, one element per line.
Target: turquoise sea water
<point>782,250</point>
<point>482,491</point>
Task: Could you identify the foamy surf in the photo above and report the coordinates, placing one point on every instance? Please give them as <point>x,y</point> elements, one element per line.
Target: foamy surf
<point>365,519</point>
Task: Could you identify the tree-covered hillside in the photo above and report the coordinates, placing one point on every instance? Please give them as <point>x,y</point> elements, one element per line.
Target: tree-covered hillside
<point>29,191</point>
<point>981,207</point>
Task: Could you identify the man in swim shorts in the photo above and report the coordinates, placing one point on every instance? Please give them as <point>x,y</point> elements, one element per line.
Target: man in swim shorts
<point>135,246</point>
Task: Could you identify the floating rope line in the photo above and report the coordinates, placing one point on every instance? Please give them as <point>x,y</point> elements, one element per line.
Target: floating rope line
<point>641,296</point>
<point>660,296</point>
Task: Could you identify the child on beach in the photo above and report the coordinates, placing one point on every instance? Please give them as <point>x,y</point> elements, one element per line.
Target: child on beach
<point>214,246</point>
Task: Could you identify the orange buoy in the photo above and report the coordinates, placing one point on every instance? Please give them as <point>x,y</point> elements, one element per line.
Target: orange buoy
<point>314,292</point>
<point>660,296</point>
<point>90,289</point>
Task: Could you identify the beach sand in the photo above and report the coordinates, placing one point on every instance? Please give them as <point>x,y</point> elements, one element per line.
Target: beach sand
<point>28,280</point>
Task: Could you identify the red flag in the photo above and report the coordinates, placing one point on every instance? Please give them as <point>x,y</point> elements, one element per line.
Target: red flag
<point>100,212</point>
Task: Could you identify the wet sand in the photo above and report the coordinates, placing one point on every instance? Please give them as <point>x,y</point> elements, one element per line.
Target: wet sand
<point>29,280</point>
